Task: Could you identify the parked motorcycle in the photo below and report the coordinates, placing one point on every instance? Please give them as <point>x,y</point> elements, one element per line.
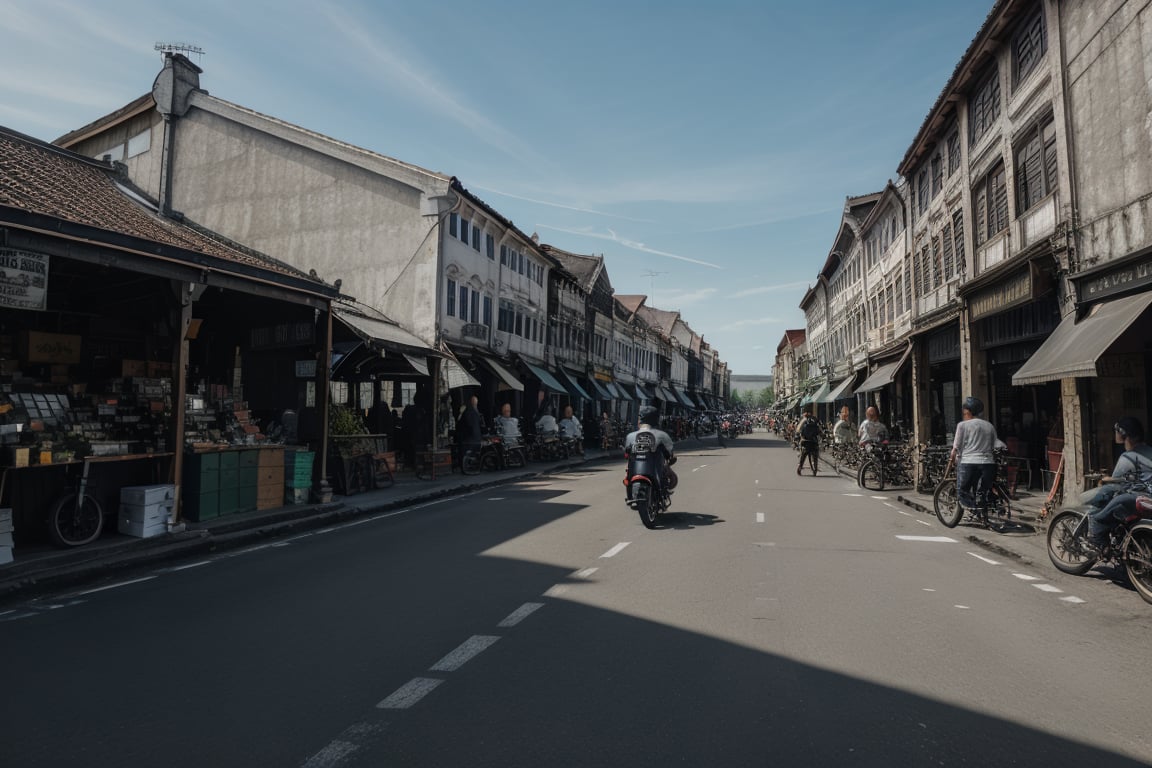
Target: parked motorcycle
<point>1129,545</point>
<point>645,492</point>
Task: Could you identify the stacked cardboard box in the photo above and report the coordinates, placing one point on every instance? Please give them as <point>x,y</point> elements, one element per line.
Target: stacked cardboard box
<point>270,478</point>
<point>5,536</point>
<point>146,510</point>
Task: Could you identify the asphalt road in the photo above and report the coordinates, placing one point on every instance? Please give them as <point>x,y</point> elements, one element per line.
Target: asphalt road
<point>773,620</point>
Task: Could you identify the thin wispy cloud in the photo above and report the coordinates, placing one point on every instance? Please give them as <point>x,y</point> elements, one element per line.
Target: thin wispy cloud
<point>759,290</point>
<point>384,60</point>
<point>559,205</point>
<point>750,323</point>
<point>627,243</point>
<point>768,221</point>
<point>674,299</point>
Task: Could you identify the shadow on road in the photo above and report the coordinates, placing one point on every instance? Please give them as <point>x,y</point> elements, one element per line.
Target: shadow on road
<point>686,520</point>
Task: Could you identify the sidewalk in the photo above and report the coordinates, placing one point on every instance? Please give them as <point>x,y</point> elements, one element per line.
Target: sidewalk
<point>41,569</point>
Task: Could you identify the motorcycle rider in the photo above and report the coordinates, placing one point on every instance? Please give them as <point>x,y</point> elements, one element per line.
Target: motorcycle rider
<point>974,446</point>
<point>664,447</point>
<point>1136,460</point>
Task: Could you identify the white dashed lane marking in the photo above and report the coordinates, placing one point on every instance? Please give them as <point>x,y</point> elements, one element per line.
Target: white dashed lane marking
<point>410,693</point>
<point>615,550</point>
<point>464,653</point>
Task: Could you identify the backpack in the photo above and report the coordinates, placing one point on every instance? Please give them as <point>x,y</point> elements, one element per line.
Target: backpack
<point>809,430</point>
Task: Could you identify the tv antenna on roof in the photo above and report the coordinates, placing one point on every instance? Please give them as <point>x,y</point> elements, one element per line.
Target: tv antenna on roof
<point>184,48</point>
<point>652,274</point>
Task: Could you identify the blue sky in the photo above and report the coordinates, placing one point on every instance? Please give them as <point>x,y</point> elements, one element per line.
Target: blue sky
<point>706,149</point>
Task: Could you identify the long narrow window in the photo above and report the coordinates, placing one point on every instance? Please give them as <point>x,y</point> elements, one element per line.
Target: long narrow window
<point>488,311</point>
<point>984,106</point>
<point>464,303</point>
<point>450,304</point>
<point>1036,165</point>
<point>1029,45</point>
<point>990,205</point>
<point>474,316</point>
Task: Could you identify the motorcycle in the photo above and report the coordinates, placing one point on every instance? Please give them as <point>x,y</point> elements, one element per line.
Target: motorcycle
<point>1129,544</point>
<point>645,492</point>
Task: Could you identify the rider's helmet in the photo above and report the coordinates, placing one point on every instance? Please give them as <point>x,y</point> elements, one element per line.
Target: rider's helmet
<point>974,405</point>
<point>650,416</point>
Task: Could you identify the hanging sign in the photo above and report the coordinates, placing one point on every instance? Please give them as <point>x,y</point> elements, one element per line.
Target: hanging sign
<point>23,279</point>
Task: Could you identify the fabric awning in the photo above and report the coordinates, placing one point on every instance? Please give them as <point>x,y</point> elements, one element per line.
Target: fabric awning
<point>456,375</point>
<point>627,393</point>
<point>601,390</point>
<point>546,378</point>
<point>645,392</point>
<point>821,395</point>
<point>573,385</point>
<point>884,375</point>
<point>381,332</point>
<point>662,394</point>
<point>687,402</point>
<point>506,376</point>
<point>1074,347</point>
<point>842,390</point>
<point>420,364</point>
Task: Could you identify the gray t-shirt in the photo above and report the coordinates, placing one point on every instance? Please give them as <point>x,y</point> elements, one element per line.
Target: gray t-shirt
<point>1138,461</point>
<point>975,441</point>
<point>660,437</point>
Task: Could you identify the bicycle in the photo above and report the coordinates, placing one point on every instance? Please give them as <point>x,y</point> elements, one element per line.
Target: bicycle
<point>995,516</point>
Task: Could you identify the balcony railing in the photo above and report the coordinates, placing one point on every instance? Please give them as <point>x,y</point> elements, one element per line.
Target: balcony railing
<point>941,297</point>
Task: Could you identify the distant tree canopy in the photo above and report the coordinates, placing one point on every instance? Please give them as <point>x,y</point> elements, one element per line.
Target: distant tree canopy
<point>753,398</point>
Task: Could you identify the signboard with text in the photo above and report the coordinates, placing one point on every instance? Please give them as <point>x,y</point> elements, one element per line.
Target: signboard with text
<point>23,279</point>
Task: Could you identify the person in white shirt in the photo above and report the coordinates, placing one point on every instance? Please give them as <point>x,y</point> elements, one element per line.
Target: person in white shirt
<point>506,426</point>
<point>843,431</point>
<point>570,425</point>
<point>974,446</point>
<point>872,430</point>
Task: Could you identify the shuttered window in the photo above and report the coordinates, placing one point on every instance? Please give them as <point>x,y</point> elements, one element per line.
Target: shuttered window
<point>958,239</point>
<point>954,152</point>
<point>1029,45</point>
<point>984,106</point>
<point>990,205</point>
<point>1036,165</point>
<point>946,249</point>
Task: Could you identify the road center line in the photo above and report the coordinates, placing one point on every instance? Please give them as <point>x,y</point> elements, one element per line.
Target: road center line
<point>988,560</point>
<point>942,539</point>
<point>464,653</point>
<point>190,565</point>
<point>924,522</point>
<point>759,517</point>
<point>1026,577</point>
<point>112,586</point>
<point>409,693</point>
<point>615,550</point>
<point>520,614</point>
<point>584,574</point>
<point>1047,588</point>
<point>331,755</point>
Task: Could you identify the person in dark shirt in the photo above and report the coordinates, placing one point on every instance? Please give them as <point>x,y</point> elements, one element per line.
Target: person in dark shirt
<point>470,426</point>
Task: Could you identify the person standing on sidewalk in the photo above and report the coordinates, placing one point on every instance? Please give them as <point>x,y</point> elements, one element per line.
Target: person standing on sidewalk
<point>844,431</point>
<point>809,431</point>
<point>974,447</point>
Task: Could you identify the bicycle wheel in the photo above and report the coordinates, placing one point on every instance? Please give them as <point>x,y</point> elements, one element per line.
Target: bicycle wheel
<point>814,461</point>
<point>74,525</point>
<point>871,475</point>
<point>947,504</point>
<point>470,463</point>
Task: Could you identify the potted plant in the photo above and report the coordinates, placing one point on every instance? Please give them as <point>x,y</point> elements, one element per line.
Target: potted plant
<point>348,451</point>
